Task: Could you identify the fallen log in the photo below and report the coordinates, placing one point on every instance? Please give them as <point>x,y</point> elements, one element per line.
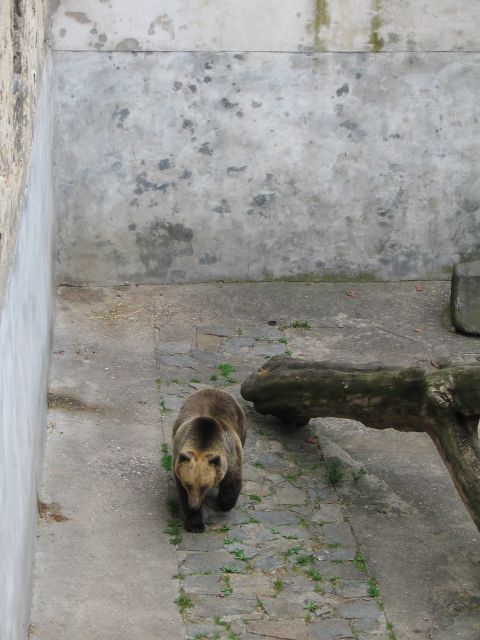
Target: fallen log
<point>444,403</point>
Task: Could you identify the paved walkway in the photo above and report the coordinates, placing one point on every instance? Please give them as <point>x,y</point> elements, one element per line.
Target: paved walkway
<point>113,560</point>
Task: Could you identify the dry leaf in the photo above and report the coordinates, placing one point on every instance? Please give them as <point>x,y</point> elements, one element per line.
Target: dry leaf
<point>419,287</point>
<point>351,293</point>
<point>312,440</point>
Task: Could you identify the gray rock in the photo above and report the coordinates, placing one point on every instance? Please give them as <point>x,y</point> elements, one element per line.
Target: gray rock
<point>227,608</point>
<point>209,561</point>
<point>207,585</point>
<point>330,630</point>
<point>339,533</point>
<point>275,518</point>
<point>465,297</point>
<point>285,629</point>
<point>366,609</point>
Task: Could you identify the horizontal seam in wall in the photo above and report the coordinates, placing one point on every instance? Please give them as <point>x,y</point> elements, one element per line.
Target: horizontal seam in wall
<point>301,53</point>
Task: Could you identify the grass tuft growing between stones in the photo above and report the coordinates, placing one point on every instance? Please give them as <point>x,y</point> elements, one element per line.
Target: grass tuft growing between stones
<point>183,602</point>
<point>373,590</point>
<point>334,471</point>
<point>359,562</point>
<point>229,569</point>
<point>226,370</point>
<point>305,560</point>
<point>174,529</point>
<point>279,586</point>
<point>166,457</point>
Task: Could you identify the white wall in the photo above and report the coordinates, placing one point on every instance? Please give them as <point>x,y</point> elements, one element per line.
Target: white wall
<point>25,342</point>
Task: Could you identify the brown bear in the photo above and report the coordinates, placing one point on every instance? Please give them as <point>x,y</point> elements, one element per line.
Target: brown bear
<point>208,438</point>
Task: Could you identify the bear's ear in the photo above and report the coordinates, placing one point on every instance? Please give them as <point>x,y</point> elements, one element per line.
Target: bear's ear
<point>184,457</point>
<point>215,460</point>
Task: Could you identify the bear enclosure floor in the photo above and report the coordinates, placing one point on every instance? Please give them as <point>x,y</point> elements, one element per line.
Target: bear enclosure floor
<point>388,552</point>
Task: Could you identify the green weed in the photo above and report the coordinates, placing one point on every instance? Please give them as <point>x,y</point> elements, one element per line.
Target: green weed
<point>314,574</point>
<point>358,474</point>
<point>183,602</point>
<point>305,560</point>
<point>373,590</point>
<point>174,529</point>
<point>166,460</point>
<point>229,569</point>
<point>359,562</point>
<point>279,586</point>
<point>334,471</point>
<point>226,370</point>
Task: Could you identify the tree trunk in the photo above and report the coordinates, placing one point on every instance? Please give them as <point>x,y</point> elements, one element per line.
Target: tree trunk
<point>444,403</point>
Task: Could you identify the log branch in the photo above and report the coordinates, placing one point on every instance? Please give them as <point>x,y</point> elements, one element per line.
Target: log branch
<point>443,403</point>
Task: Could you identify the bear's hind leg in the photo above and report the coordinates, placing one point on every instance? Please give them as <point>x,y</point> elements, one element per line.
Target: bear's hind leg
<point>193,518</point>
<point>228,492</point>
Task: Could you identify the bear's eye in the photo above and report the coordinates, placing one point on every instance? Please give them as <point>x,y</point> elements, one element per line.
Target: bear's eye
<point>215,460</point>
<point>184,457</point>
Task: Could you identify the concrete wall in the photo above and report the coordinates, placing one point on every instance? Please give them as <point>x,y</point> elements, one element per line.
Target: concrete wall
<point>23,28</point>
<point>25,328</point>
<point>252,140</point>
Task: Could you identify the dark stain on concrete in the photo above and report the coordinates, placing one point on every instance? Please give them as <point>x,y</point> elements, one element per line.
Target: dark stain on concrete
<point>236,170</point>
<point>206,149</point>
<point>50,511</point>
<point>143,185</point>
<point>262,199</point>
<point>177,85</point>
<point>121,115</point>
<point>166,163</point>
<point>208,65</point>
<point>185,175</point>
<point>69,403</point>
<point>193,88</point>
<point>238,56</point>
<point>343,90</point>
<point>159,243</point>
<point>79,16</point>
<point>227,104</point>
<point>132,226</point>
<point>470,205</point>
<point>223,207</point>
<point>207,79</point>
<point>187,124</point>
<point>255,105</point>
<point>134,202</point>
<point>208,259</point>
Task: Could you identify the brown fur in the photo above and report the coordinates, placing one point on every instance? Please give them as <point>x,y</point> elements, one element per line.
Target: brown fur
<point>208,438</point>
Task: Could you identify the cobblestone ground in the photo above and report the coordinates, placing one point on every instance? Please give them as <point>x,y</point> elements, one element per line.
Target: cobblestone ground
<point>284,563</point>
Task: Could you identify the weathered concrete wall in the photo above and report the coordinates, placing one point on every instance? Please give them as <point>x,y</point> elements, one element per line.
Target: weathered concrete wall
<point>184,162</point>
<point>266,25</point>
<point>22,52</point>
<point>25,328</point>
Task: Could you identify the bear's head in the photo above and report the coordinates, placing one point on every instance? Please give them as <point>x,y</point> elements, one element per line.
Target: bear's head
<point>198,472</point>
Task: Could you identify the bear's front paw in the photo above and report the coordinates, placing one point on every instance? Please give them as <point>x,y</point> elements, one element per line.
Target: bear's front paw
<point>195,526</point>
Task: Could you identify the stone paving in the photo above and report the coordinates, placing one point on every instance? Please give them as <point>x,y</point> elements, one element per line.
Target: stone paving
<point>124,359</point>
<point>284,563</point>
